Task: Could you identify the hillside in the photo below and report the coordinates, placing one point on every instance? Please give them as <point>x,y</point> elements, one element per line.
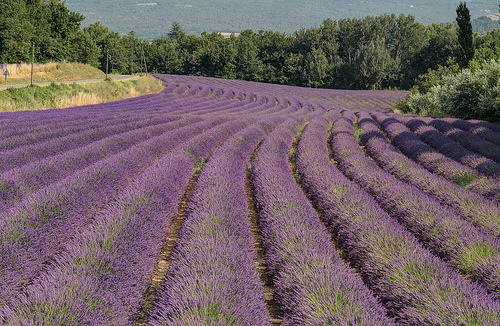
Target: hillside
<point>153,19</point>
<point>65,95</point>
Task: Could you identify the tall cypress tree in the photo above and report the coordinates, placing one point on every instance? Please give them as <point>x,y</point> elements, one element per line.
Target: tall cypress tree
<point>466,49</point>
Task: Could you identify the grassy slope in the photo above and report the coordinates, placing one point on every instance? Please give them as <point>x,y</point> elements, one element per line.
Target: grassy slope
<point>66,95</point>
<point>50,72</point>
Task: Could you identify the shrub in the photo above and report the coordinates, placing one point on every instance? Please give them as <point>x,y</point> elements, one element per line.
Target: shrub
<point>466,95</point>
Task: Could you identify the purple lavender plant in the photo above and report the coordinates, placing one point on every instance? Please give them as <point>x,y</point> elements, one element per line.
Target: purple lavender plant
<point>471,206</point>
<point>313,285</point>
<point>440,229</point>
<point>416,287</point>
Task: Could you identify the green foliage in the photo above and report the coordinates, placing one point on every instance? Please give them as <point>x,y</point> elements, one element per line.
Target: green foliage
<point>473,96</point>
<point>314,69</point>
<point>488,47</point>
<point>435,77</point>
<point>199,166</point>
<point>422,104</point>
<point>375,52</point>
<point>176,32</point>
<point>375,64</point>
<point>466,48</point>
<point>484,24</point>
<point>437,52</point>
<point>466,95</point>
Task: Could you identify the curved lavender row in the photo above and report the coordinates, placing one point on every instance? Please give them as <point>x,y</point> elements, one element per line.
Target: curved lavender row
<point>231,106</point>
<point>481,131</point>
<point>20,182</point>
<point>16,130</point>
<point>162,104</point>
<point>203,107</point>
<point>26,154</point>
<point>413,147</point>
<point>493,126</point>
<point>313,285</point>
<point>468,140</point>
<point>30,119</point>
<point>259,108</point>
<point>253,108</point>
<point>416,287</point>
<point>268,109</point>
<point>450,148</point>
<point>449,237</point>
<point>194,104</point>
<point>71,130</point>
<point>169,87</point>
<point>349,115</point>
<point>100,277</point>
<point>471,206</point>
<point>327,98</point>
<point>183,106</point>
<point>38,226</point>
<point>215,245</point>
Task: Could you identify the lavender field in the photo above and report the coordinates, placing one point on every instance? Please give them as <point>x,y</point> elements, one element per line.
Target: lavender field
<point>223,202</point>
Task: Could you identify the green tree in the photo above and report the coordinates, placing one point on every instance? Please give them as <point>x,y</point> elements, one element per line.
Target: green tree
<point>465,36</point>
<point>274,49</point>
<point>329,41</point>
<point>314,69</point>
<point>248,66</point>
<point>488,47</point>
<point>375,64</point>
<point>56,32</point>
<point>470,95</point>
<point>214,56</point>
<point>15,30</point>
<point>106,40</point>
<point>176,32</point>
<point>163,56</point>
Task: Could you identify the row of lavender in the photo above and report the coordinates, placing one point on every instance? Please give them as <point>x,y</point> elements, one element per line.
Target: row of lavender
<point>48,200</point>
<point>89,221</point>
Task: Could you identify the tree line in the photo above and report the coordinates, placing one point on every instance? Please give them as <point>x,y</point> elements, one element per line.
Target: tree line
<point>385,51</point>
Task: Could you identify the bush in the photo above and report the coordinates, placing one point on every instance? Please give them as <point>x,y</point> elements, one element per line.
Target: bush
<point>473,96</point>
<point>466,95</point>
<point>423,104</point>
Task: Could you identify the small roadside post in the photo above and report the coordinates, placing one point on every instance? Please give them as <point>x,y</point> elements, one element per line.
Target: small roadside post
<point>32,63</point>
<point>107,63</point>
<point>6,73</point>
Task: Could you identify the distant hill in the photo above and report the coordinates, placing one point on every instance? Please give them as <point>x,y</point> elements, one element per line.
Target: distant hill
<point>484,24</point>
<point>153,19</point>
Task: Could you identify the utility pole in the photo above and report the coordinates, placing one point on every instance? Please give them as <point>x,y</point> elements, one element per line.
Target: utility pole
<point>142,56</point>
<point>107,63</point>
<point>32,63</point>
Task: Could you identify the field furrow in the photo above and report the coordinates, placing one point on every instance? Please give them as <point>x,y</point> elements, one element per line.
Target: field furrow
<point>215,247</point>
<point>469,205</point>
<point>227,202</point>
<point>422,153</point>
<point>456,241</point>
<point>313,285</point>
<point>414,286</point>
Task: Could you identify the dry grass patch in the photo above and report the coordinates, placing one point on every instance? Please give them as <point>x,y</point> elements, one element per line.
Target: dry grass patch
<point>49,72</point>
<point>76,94</point>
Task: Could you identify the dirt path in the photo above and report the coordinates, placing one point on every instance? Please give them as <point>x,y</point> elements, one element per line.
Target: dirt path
<point>165,257</point>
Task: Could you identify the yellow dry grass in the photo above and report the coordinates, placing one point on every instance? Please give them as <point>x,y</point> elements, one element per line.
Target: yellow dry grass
<point>49,72</point>
<point>24,69</point>
<point>69,95</point>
